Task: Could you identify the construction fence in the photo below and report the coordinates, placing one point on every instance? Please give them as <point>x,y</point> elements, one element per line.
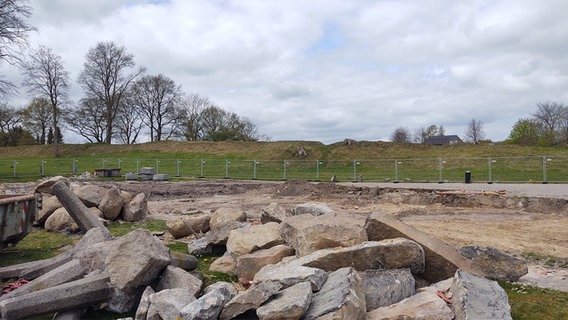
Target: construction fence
<point>537,169</point>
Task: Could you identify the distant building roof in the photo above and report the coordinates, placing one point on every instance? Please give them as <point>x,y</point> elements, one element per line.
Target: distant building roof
<point>443,140</point>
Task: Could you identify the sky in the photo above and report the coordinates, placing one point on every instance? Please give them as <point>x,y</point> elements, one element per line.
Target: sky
<point>327,70</point>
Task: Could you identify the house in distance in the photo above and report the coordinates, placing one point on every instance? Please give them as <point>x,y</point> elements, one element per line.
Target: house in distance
<point>443,140</point>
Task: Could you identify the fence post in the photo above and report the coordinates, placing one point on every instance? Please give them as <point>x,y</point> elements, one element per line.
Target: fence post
<point>317,170</point>
<point>285,162</point>
<point>42,168</point>
<point>177,167</point>
<point>157,166</point>
<point>201,165</point>
<point>395,171</point>
<point>254,170</point>
<point>227,169</point>
<point>15,170</point>
<point>440,169</point>
<point>545,159</point>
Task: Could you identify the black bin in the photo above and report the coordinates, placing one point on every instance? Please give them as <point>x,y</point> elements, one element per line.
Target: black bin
<point>467,177</point>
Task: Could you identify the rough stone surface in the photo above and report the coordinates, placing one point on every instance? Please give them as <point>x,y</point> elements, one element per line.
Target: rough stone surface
<point>144,305</point>
<point>210,304</point>
<point>136,259</point>
<point>315,209</point>
<point>168,303</point>
<point>60,221</point>
<point>226,215</point>
<point>424,305</point>
<point>189,225</point>
<point>225,264</point>
<point>45,186</point>
<point>136,209</point>
<point>289,275</point>
<point>253,238</point>
<point>475,297</point>
<point>48,205</point>
<point>495,263</point>
<point>252,298</point>
<point>306,233</point>
<point>185,261</point>
<point>273,213</point>
<point>249,264</point>
<point>90,195</point>
<point>341,297</point>
<point>289,304</point>
<point>386,287</point>
<point>386,254</point>
<point>442,261</point>
<point>218,237</point>
<point>177,278</point>
<point>111,203</point>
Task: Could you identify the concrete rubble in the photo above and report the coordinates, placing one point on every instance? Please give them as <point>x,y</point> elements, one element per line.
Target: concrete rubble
<point>312,263</point>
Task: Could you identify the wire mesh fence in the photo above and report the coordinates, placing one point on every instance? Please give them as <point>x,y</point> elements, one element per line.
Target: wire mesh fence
<point>542,169</point>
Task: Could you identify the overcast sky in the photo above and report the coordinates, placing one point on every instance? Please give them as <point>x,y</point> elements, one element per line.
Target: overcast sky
<point>332,69</point>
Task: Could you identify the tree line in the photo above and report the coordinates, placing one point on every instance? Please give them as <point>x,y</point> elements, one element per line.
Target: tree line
<point>474,133</point>
<point>121,101</point>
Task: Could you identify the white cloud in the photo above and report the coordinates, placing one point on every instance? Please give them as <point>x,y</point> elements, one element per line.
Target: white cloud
<point>328,70</point>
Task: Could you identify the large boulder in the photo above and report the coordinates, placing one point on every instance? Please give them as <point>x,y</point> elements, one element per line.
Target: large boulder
<point>111,203</point>
<point>252,298</point>
<point>189,225</point>
<point>289,275</point>
<point>90,195</point>
<point>226,216</point>
<point>475,297</point>
<point>249,264</point>
<point>60,221</point>
<point>315,209</point>
<point>495,263</point>
<point>425,305</point>
<point>442,261</point>
<point>136,209</point>
<point>48,205</point>
<point>341,297</point>
<point>225,264</point>
<point>177,278</point>
<point>306,233</point>
<point>246,240</point>
<point>45,186</point>
<point>168,303</point>
<point>210,304</point>
<point>273,213</point>
<point>386,287</point>
<point>288,304</point>
<point>386,254</point>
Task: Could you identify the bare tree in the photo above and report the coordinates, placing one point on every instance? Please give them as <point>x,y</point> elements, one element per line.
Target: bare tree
<point>191,108</point>
<point>13,34</point>
<point>423,134</point>
<point>551,115</point>
<point>155,97</point>
<point>36,118</point>
<point>474,132</point>
<point>106,77</point>
<point>10,119</point>
<point>87,120</point>
<point>44,75</point>
<point>128,123</point>
<point>400,135</point>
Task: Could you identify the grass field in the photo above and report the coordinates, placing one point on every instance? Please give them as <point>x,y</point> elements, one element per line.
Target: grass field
<point>369,161</point>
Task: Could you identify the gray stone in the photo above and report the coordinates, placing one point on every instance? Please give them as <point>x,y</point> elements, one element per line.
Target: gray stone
<point>306,233</point>
<point>200,246</point>
<point>247,240</point>
<point>495,263</point>
<point>252,298</point>
<point>386,287</point>
<point>289,275</point>
<point>46,186</point>
<point>177,278</point>
<point>289,304</point>
<point>185,261</point>
<point>144,305</point>
<point>92,237</point>
<point>225,216</point>
<point>160,177</point>
<point>147,170</point>
<point>386,254</point>
<point>225,264</point>
<point>68,296</point>
<point>60,221</point>
<point>210,304</point>
<point>168,303</point>
<point>475,298</point>
<point>218,237</point>
<point>249,264</point>
<point>424,305</point>
<point>131,176</point>
<point>315,209</point>
<point>90,195</point>
<point>111,203</point>
<point>136,209</point>
<point>341,297</point>
<point>48,206</point>
<point>442,261</point>
<point>76,314</point>
<point>273,213</point>
<point>34,269</point>
<point>189,225</point>
<point>136,260</point>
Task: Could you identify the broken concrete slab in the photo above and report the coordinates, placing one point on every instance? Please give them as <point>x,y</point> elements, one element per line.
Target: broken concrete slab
<point>386,287</point>
<point>252,298</point>
<point>475,297</point>
<point>442,261</point>
<point>424,305</point>
<point>341,297</point>
<point>288,304</point>
<point>76,209</point>
<point>386,254</point>
<point>84,292</point>
<point>306,233</point>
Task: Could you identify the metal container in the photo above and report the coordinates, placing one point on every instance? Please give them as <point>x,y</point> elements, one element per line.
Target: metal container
<point>17,213</point>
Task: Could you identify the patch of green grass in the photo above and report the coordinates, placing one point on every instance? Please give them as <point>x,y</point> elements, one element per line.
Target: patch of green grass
<point>37,245</point>
<point>211,277</point>
<point>120,228</point>
<point>547,260</point>
<point>529,303</point>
